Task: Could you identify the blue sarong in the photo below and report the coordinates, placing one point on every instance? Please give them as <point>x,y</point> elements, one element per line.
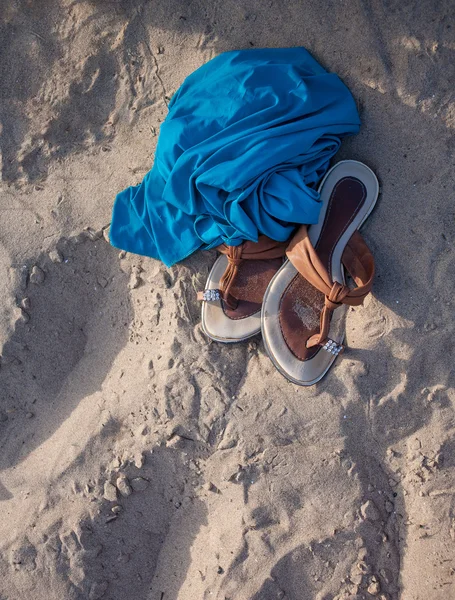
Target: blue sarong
<point>247,138</point>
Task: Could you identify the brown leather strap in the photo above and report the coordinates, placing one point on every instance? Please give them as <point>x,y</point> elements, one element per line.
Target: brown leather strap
<point>263,249</point>
<point>359,263</point>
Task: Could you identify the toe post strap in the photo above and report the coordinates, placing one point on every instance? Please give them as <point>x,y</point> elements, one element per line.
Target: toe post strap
<point>358,261</point>
<point>264,249</point>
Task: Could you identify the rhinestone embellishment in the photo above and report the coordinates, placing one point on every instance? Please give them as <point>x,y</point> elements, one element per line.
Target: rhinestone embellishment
<point>211,295</point>
<point>333,347</point>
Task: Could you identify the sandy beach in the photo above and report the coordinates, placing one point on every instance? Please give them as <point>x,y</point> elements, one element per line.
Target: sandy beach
<point>138,459</point>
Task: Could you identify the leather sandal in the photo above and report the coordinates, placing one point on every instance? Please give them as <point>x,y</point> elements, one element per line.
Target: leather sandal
<point>232,300</point>
<point>305,304</point>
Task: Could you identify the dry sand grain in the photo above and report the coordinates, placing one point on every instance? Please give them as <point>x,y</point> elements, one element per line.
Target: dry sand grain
<point>138,460</point>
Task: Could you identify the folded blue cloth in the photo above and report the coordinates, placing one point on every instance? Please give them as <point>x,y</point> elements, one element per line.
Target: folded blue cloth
<point>247,138</point>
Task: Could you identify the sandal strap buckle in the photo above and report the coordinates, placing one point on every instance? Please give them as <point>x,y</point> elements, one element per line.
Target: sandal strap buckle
<point>333,347</point>
<point>209,295</point>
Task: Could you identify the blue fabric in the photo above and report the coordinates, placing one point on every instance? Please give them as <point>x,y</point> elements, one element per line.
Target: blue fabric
<point>247,138</point>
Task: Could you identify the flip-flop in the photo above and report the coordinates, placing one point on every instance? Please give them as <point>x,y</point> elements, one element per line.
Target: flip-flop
<point>305,304</point>
<point>232,300</point>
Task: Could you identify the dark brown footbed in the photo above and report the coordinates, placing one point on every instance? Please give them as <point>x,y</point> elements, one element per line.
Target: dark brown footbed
<point>251,281</point>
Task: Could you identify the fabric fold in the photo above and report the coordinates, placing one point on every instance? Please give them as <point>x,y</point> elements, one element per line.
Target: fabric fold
<point>247,139</point>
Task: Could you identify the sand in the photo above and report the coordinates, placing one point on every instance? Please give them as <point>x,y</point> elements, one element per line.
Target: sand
<point>138,460</point>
